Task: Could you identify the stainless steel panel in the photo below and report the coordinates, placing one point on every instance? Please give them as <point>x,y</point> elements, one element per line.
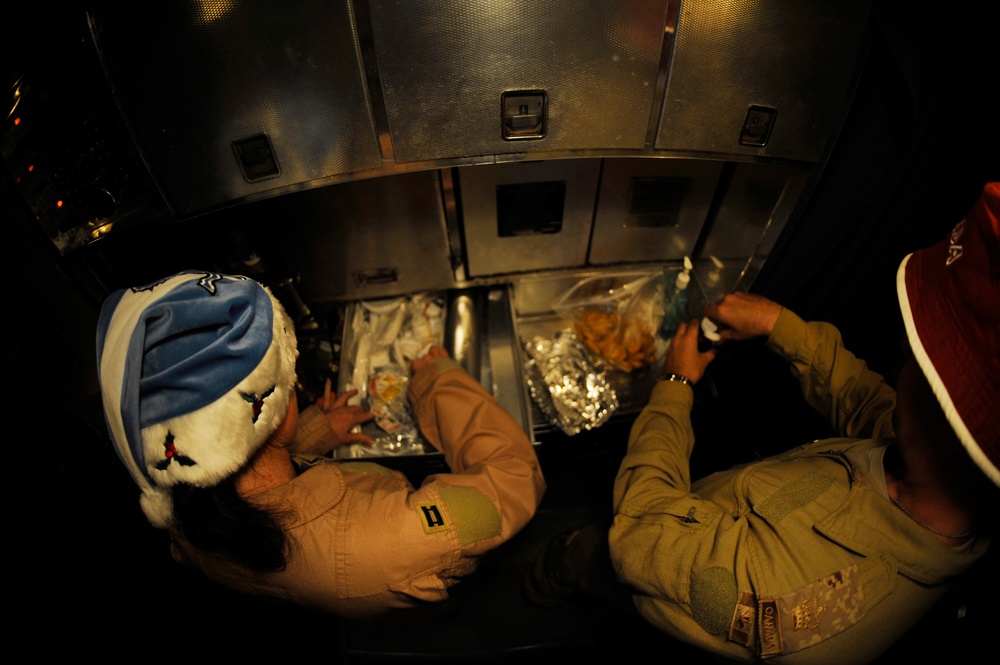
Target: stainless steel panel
<point>463,338</point>
<point>791,199</point>
<point>503,376</point>
<point>367,239</point>
<point>489,253</point>
<point>796,56</point>
<point>444,65</point>
<point>746,209</point>
<point>651,209</point>
<point>208,74</point>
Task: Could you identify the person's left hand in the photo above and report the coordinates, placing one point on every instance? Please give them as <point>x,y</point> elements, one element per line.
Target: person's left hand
<point>683,356</point>
<point>343,416</point>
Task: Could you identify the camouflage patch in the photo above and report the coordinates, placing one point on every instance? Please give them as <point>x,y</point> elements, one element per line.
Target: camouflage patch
<point>432,517</point>
<point>741,627</point>
<point>813,613</point>
<point>824,608</point>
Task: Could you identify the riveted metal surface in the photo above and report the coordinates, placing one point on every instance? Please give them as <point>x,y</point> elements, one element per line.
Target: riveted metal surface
<point>211,73</point>
<point>793,56</point>
<point>444,65</point>
<point>746,209</point>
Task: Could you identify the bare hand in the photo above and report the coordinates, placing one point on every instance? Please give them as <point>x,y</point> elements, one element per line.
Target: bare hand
<point>343,417</point>
<point>284,435</point>
<point>743,315</point>
<point>432,354</point>
<point>683,356</point>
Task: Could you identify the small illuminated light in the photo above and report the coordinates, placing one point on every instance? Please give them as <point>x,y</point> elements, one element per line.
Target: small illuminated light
<point>17,121</point>
<point>31,167</point>
<point>59,204</point>
<point>101,231</point>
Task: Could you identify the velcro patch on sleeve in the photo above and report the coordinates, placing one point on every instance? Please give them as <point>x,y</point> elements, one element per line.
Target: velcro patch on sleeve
<point>367,467</point>
<point>713,596</point>
<point>476,516</point>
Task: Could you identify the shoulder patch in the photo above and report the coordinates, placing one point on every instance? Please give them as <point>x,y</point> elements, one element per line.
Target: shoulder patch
<point>744,616</point>
<point>475,515</point>
<point>432,517</point>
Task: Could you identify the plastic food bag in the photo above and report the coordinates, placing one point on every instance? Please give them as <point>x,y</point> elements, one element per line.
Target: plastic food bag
<point>616,316</point>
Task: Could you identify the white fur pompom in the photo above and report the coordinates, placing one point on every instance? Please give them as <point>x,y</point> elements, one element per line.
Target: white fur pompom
<point>158,506</point>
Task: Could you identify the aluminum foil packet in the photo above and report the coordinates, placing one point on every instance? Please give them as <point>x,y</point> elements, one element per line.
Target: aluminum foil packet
<point>571,390</point>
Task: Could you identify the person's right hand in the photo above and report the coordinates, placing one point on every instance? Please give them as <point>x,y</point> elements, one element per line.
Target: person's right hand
<point>742,315</point>
<point>433,353</point>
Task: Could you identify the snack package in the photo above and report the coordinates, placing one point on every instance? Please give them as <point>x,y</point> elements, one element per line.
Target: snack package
<point>387,398</point>
<point>616,316</point>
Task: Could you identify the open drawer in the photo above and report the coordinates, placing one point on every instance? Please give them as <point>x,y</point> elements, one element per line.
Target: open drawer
<point>487,330</point>
<point>381,337</point>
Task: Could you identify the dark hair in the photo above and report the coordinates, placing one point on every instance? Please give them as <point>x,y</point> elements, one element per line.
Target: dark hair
<point>218,520</point>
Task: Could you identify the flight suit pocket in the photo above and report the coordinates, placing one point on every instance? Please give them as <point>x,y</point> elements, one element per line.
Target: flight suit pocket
<point>672,535</point>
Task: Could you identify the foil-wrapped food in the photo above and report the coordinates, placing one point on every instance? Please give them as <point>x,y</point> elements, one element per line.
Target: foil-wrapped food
<point>571,390</point>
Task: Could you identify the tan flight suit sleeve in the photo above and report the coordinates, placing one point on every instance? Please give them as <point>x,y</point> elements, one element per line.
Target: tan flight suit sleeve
<point>856,401</point>
<point>496,482</point>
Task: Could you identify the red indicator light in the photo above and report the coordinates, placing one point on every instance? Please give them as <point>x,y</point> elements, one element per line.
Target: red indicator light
<point>59,204</point>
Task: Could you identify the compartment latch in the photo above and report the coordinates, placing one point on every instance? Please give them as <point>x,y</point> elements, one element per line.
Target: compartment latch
<point>523,114</point>
<point>757,125</point>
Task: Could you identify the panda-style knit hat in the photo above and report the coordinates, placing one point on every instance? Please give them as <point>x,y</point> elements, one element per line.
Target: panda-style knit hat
<point>196,372</point>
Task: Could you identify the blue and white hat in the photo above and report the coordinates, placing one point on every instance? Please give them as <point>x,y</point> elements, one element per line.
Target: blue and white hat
<point>196,372</point>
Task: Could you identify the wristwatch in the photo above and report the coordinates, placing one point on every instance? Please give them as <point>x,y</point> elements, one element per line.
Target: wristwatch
<point>680,378</point>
